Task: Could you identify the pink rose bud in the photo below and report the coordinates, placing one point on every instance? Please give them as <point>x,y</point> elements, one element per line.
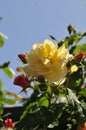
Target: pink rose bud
<point>21,81</point>
<point>22,57</point>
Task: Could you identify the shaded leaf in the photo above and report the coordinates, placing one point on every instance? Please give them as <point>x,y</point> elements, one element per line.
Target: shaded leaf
<point>0,82</point>
<point>1,110</point>
<point>5,64</point>
<point>82,92</point>
<point>52,37</point>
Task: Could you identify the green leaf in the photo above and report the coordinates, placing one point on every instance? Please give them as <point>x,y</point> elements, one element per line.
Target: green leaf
<point>53,124</point>
<point>1,41</point>
<point>72,39</point>
<point>43,101</point>
<point>1,110</point>
<point>9,72</point>
<point>0,82</point>
<point>75,38</point>
<point>9,101</point>
<point>80,48</point>
<point>52,37</point>
<point>82,92</point>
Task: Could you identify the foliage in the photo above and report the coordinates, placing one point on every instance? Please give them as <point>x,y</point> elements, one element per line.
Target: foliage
<point>6,97</point>
<point>54,105</point>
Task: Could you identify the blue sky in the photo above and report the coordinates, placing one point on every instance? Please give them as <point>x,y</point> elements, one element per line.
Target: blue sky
<point>26,22</point>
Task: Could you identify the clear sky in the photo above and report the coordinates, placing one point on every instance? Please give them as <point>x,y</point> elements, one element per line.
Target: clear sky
<point>26,22</point>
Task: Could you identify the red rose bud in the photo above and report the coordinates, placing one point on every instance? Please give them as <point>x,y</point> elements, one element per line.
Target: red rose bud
<point>9,123</point>
<point>21,81</point>
<point>22,57</point>
<point>71,29</point>
<point>79,56</point>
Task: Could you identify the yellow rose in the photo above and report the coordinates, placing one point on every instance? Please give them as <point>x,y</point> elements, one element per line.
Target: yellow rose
<point>47,60</point>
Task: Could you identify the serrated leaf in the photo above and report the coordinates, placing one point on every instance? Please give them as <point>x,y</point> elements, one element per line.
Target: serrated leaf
<point>9,72</point>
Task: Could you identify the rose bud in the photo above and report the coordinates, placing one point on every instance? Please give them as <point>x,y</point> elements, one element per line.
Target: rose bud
<point>22,57</point>
<point>9,123</point>
<point>21,81</point>
<point>71,29</point>
<point>79,56</point>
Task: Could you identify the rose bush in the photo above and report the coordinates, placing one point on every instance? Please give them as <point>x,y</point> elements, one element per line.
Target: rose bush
<point>55,72</point>
<point>56,75</point>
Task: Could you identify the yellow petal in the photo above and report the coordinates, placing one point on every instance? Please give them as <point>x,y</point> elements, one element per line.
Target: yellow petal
<point>20,69</point>
<point>73,69</point>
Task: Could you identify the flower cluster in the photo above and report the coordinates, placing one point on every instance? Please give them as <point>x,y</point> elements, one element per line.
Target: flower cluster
<point>45,59</point>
